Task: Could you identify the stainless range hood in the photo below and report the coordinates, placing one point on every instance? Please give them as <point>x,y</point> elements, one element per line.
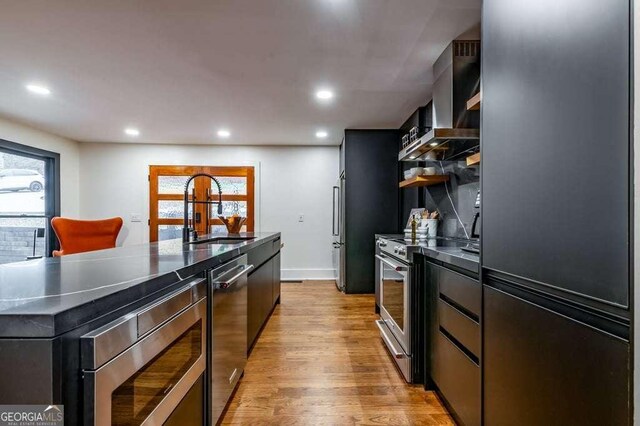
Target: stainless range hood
<point>455,129</point>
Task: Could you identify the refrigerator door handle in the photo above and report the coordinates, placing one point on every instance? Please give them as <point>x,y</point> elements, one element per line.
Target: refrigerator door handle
<point>335,232</point>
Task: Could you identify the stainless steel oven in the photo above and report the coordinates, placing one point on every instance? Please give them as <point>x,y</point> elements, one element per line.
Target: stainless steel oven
<point>395,272</point>
<point>138,368</point>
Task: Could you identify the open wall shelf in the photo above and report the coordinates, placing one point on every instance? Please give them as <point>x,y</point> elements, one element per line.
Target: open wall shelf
<point>424,181</point>
<point>473,159</point>
<point>473,104</point>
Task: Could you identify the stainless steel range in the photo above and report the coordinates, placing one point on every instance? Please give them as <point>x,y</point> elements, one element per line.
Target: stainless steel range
<point>402,286</point>
<point>395,272</point>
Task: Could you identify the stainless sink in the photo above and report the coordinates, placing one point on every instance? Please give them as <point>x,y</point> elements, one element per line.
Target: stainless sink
<point>223,240</point>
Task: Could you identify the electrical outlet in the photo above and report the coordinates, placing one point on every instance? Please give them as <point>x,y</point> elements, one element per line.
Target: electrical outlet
<point>135,218</point>
<point>301,218</point>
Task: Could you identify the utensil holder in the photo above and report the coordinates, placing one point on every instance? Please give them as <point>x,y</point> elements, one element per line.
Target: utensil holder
<point>432,227</point>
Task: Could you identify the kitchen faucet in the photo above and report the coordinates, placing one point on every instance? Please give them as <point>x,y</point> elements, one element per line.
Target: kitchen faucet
<point>187,232</point>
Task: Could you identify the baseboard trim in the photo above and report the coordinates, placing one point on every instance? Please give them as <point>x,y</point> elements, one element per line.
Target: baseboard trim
<point>307,274</point>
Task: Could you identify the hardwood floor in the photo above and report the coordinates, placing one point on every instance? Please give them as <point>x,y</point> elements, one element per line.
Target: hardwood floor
<point>320,361</point>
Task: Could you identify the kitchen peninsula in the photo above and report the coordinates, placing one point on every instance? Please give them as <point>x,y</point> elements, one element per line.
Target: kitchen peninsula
<point>49,309</point>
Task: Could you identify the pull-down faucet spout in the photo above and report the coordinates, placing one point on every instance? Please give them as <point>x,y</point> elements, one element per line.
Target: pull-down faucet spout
<point>186,231</point>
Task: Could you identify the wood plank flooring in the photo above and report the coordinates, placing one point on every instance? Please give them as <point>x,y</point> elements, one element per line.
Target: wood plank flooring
<point>320,361</point>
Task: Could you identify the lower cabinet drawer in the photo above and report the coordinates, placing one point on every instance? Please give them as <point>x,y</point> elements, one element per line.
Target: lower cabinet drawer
<point>458,379</point>
<point>462,290</point>
<point>262,253</point>
<point>465,330</point>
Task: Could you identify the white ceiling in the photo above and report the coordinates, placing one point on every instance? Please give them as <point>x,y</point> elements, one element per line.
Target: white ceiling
<point>180,69</point>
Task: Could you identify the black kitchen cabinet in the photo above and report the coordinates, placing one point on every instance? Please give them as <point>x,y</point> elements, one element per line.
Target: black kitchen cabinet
<point>276,279</point>
<point>342,157</point>
<point>556,144</point>
<point>542,368</point>
<point>371,197</point>
<point>458,380</point>
<point>453,341</point>
<point>260,288</point>
<point>263,287</point>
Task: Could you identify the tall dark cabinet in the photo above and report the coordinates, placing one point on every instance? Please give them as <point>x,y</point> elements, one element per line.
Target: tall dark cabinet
<point>369,162</point>
<point>556,202</point>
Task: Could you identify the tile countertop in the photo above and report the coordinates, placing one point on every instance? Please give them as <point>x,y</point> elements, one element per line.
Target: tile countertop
<point>445,250</point>
<point>50,296</point>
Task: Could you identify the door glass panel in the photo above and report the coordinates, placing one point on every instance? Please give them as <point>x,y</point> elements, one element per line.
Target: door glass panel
<point>393,294</point>
<point>229,208</point>
<point>172,184</point>
<point>231,185</point>
<point>136,398</point>
<point>171,209</point>
<point>169,232</point>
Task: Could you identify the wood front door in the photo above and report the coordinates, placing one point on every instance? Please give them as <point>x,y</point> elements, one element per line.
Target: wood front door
<point>166,199</point>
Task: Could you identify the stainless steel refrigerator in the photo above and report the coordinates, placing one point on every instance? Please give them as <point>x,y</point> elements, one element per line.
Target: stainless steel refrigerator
<point>338,233</point>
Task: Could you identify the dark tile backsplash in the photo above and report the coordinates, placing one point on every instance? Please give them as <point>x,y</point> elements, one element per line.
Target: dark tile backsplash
<point>463,187</point>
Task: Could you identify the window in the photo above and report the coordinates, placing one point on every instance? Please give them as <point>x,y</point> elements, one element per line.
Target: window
<point>166,193</point>
<point>29,198</point>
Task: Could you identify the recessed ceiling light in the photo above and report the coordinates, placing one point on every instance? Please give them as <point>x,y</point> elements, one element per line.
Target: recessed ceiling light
<point>434,144</point>
<point>224,133</point>
<point>324,94</point>
<point>413,157</point>
<point>39,89</point>
<point>321,134</point>
<point>131,131</point>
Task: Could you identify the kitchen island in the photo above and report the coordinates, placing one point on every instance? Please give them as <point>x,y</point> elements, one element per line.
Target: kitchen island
<point>46,305</point>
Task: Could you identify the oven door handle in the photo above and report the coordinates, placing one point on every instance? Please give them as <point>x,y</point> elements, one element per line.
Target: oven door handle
<point>398,354</point>
<point>397,268</point>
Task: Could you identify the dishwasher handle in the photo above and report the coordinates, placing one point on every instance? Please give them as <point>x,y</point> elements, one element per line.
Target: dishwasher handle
<point>223,283</point>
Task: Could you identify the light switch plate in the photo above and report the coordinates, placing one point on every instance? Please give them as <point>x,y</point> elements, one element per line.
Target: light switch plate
<point>301,218</point>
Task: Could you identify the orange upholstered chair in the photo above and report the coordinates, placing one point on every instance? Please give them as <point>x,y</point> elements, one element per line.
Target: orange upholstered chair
<point>77,236</point>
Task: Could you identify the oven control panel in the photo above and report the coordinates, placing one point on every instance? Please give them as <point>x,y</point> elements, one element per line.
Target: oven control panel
<point>393,248</point>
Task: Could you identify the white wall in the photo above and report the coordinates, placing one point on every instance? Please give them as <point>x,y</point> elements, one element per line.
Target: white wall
<point>69,159</point>
<point>290,180</point>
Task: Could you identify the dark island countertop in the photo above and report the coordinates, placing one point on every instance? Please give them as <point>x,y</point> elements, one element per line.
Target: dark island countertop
<point>48,297</point>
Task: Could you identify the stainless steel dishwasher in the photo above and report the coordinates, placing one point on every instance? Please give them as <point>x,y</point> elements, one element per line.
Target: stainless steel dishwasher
<point>228,325</point>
